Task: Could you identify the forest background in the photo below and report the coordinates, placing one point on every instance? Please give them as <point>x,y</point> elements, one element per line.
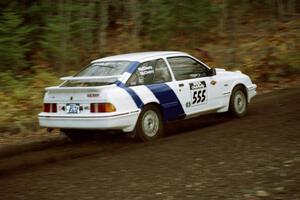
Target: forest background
<point>42,40</point>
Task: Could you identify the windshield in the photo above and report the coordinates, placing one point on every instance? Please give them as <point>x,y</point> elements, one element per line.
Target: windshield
<point>108,68</point>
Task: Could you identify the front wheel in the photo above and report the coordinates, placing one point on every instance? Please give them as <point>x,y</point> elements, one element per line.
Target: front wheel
<point>238,102</point>
<point>149,125</point>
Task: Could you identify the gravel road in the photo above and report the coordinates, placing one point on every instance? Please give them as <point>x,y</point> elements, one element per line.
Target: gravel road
<point>211,157</point>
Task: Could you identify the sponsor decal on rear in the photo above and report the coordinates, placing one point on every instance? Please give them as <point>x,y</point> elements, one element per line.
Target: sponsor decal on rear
<point>92,95</point>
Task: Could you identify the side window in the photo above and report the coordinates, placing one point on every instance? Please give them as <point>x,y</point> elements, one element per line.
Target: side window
<point>186,68</point>
<point>150,72</point>
<point>162,73</point>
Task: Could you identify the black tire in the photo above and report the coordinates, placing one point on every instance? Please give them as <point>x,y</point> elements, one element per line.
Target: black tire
<point>238,102</point>
<point>153,130</point>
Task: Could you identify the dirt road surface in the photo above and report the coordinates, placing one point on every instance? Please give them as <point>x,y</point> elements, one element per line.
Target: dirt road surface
<point>211,157</point>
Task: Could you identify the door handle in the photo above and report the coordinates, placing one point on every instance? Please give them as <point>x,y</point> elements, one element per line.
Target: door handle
<point>181,85</point>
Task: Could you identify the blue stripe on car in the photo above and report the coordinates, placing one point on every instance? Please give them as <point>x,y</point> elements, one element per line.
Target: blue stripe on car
<point>137,100</point>
<point>169,102</point>
<point>133,67</point>
<point>171,106</point>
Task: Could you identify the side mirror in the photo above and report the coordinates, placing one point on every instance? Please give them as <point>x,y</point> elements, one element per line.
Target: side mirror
<point>212,72</point>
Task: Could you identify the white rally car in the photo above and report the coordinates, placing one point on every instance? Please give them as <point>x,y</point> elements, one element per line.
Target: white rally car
<point>138,92</point>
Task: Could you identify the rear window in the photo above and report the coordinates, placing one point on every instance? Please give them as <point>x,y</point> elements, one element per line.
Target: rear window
<point>109,68</point>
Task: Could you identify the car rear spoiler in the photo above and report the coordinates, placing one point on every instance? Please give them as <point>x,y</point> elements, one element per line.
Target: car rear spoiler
<point>72,89</point>
<point>90,78</point>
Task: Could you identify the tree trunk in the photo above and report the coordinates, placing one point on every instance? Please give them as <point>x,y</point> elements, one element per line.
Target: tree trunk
<point>280,9</point>
<point>292,6</point>
<point>223,19</point>
<point>134,10</point>
<point>103,23</point>
<point>63,42</point>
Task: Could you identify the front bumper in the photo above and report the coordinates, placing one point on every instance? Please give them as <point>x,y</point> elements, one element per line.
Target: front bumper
<point>251,91</point>
<point>125,121</point>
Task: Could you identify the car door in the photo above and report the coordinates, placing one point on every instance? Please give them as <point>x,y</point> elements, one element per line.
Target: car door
<point>197,90</point>
<point>150,82</point>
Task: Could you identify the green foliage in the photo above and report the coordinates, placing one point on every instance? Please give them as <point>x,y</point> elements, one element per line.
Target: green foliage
<point>66,34</point>
<point>56,43</point>
<point>163,19</point>
<point>158,20</point>
<point>14,42</point>
<point>194,15</point>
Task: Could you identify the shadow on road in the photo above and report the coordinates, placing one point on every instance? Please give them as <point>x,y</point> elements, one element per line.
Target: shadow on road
<point>181,127</point>
<point>171,128</point>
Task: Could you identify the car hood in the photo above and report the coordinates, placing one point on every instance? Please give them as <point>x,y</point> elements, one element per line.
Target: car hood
<point>224,72</point>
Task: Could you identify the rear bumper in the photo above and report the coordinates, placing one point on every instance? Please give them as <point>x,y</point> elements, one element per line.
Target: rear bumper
<point>125,122</point>
<point>251,91</point>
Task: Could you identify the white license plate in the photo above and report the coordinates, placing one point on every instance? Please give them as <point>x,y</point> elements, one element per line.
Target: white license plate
<point>73,108</point>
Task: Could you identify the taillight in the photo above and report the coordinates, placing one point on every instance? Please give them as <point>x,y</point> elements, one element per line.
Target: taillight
<point>93,107</point>
<point>102,107</point>
<point>50,107</point>
<point>54,107</point>
<point>47,107</point>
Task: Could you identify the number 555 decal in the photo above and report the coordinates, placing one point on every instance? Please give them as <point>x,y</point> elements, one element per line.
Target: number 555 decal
<point>198,93</point>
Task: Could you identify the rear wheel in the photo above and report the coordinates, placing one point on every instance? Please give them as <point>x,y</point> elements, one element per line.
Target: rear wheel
<point>149,125</point>
<point>238,102</point>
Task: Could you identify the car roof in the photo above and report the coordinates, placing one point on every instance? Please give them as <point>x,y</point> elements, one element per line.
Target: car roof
<point>138,56</point>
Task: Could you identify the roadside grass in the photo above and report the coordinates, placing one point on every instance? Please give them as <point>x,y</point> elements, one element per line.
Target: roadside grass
<point>21,98</point>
